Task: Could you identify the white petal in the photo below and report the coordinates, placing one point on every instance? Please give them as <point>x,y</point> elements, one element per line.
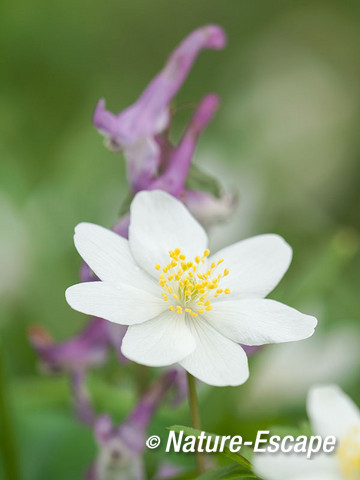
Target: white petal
<point>280,466</point>
<point>162,341</point>
<point>216,360</point>
<point>331,411</point>
<point>109,256</point>
<point>126,305</point>
<point>256,265</point>
<point>260,321</point>
<point>159,223</point>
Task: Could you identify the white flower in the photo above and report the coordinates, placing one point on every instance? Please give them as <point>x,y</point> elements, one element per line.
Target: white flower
<point>331,412</point>
<point>181,304</point>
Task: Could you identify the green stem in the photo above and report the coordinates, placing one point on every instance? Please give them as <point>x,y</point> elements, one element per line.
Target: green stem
<point>195,419</point>
<point>7,439</point>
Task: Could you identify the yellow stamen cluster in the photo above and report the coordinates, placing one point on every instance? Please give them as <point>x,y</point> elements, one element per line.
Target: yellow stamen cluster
<point>190,284</point>
<point>348,455</point>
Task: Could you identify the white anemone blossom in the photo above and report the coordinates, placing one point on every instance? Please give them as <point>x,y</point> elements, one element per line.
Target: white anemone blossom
<point>182,304</point>
<point>331,412</point>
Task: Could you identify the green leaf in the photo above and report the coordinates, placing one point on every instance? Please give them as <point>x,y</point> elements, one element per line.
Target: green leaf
<point>230,472</point>
<point>236,457</point>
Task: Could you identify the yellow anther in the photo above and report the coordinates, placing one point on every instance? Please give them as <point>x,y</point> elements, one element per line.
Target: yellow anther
<point>189,286</point>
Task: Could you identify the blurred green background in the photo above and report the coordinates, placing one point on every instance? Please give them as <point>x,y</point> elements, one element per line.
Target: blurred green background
<point>286,137</point>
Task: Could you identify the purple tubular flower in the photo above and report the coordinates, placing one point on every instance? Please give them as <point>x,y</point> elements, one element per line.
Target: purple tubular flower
<point>174,178</point>
<point>82,405</point>
<point>87,349</point>
<point>134,130</point>
<point>137,422</point>
<point>121,447</point>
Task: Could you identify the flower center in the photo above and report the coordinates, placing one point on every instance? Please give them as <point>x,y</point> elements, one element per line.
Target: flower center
<point>348,455</point>
<point>189,286</point>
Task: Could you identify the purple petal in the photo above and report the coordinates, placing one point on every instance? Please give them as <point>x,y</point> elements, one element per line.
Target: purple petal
<point>82,404</point>
<point>89,348</point>
<point>103,429</point>
<point>121,227</point>
<point>143,412</point>
<point>251,350</point>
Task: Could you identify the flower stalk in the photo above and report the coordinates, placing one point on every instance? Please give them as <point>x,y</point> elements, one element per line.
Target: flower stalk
<point>7,438</point>
<point>195,418</point>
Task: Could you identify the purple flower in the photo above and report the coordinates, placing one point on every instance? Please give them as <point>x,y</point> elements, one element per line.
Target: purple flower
<point>121,447</point>
<point>134,130</point>
<point>87,349</point>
